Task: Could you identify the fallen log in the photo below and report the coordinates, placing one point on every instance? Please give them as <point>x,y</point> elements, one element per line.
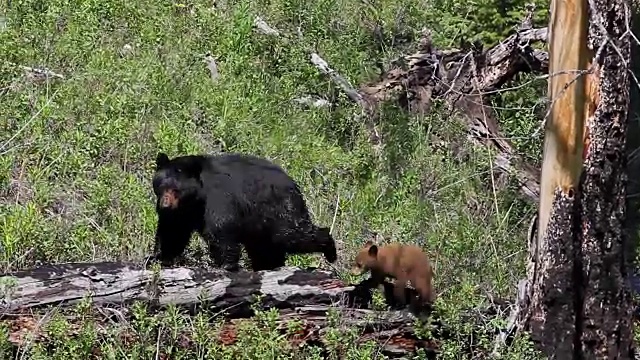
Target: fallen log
<point>117,283</point>
<point>392,331</point>
<point>305,295</point>
<point>301,294</point>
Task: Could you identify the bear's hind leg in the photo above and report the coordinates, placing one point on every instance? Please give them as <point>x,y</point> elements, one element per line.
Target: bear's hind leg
<point>328,244</point>
<point>272,262</point>
<point>265,257</point>
<point>306,238</point>
<point>400,290</point>
<point>223,228</point>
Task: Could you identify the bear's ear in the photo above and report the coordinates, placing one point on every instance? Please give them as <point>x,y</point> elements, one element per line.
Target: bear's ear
<point>161,160</point>
<point>373,250</point>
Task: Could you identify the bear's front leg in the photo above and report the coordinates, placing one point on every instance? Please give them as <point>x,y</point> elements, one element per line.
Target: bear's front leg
<point>155,253</point>
<point>222,229</point>
<point>171,240</point>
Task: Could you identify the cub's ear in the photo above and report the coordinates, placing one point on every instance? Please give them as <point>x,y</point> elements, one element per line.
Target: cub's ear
<point>161,160</point>
<point>373,250</point>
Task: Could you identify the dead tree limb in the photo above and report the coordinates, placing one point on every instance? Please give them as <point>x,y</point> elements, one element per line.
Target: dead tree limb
<point>116,283</point>
<point>464,79</point>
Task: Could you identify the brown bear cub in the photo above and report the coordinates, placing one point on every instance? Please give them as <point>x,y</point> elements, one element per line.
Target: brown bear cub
<point>403,262</point>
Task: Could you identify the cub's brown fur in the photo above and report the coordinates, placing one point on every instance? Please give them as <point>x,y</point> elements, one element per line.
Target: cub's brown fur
<point>403,262</point>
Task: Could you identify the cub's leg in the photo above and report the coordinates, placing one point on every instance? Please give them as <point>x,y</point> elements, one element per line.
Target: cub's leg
<point>399,289</point>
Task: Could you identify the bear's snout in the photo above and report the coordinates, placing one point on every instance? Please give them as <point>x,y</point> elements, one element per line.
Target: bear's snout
<point>169,199</point>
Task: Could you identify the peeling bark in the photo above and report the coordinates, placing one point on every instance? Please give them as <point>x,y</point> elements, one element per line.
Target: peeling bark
<point>569,57</point>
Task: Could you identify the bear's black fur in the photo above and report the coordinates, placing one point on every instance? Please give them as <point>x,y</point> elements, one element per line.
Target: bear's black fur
<point>233,199</point>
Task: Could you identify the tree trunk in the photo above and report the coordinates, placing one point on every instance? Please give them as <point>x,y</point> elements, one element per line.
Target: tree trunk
<point>607,327</point>
<point>580,305</point>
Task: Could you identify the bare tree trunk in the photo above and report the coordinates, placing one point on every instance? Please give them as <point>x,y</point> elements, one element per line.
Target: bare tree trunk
<point>580,305</point>
<point>554,311</point>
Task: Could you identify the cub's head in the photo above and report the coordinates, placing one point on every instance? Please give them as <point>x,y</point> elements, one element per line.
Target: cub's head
<point>176,180</point>
<point>366,259</point>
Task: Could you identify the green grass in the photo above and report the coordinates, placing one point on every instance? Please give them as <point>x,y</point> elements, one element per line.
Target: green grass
<point>77,155</point>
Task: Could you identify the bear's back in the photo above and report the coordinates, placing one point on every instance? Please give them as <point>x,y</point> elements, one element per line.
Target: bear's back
<point>246,169</point>
<point>253,180</point>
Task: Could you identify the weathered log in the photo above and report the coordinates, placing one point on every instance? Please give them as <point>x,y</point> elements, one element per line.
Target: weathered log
<point>118,283</point>
<point>305,295</point>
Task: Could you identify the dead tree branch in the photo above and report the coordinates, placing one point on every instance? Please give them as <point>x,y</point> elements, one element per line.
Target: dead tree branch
<point>463,79</point>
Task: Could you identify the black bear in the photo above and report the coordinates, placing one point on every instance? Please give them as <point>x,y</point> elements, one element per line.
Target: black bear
<point>231,200</point>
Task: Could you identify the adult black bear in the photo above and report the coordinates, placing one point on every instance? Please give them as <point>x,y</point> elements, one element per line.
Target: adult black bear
<point>233,199</point>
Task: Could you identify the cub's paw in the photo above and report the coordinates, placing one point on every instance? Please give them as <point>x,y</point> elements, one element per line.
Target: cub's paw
<point>231,267</point>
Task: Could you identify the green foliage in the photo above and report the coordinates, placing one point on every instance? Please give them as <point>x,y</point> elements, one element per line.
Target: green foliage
<point>77,153</point>
<point>486,20</point>
<point>520,113</point>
